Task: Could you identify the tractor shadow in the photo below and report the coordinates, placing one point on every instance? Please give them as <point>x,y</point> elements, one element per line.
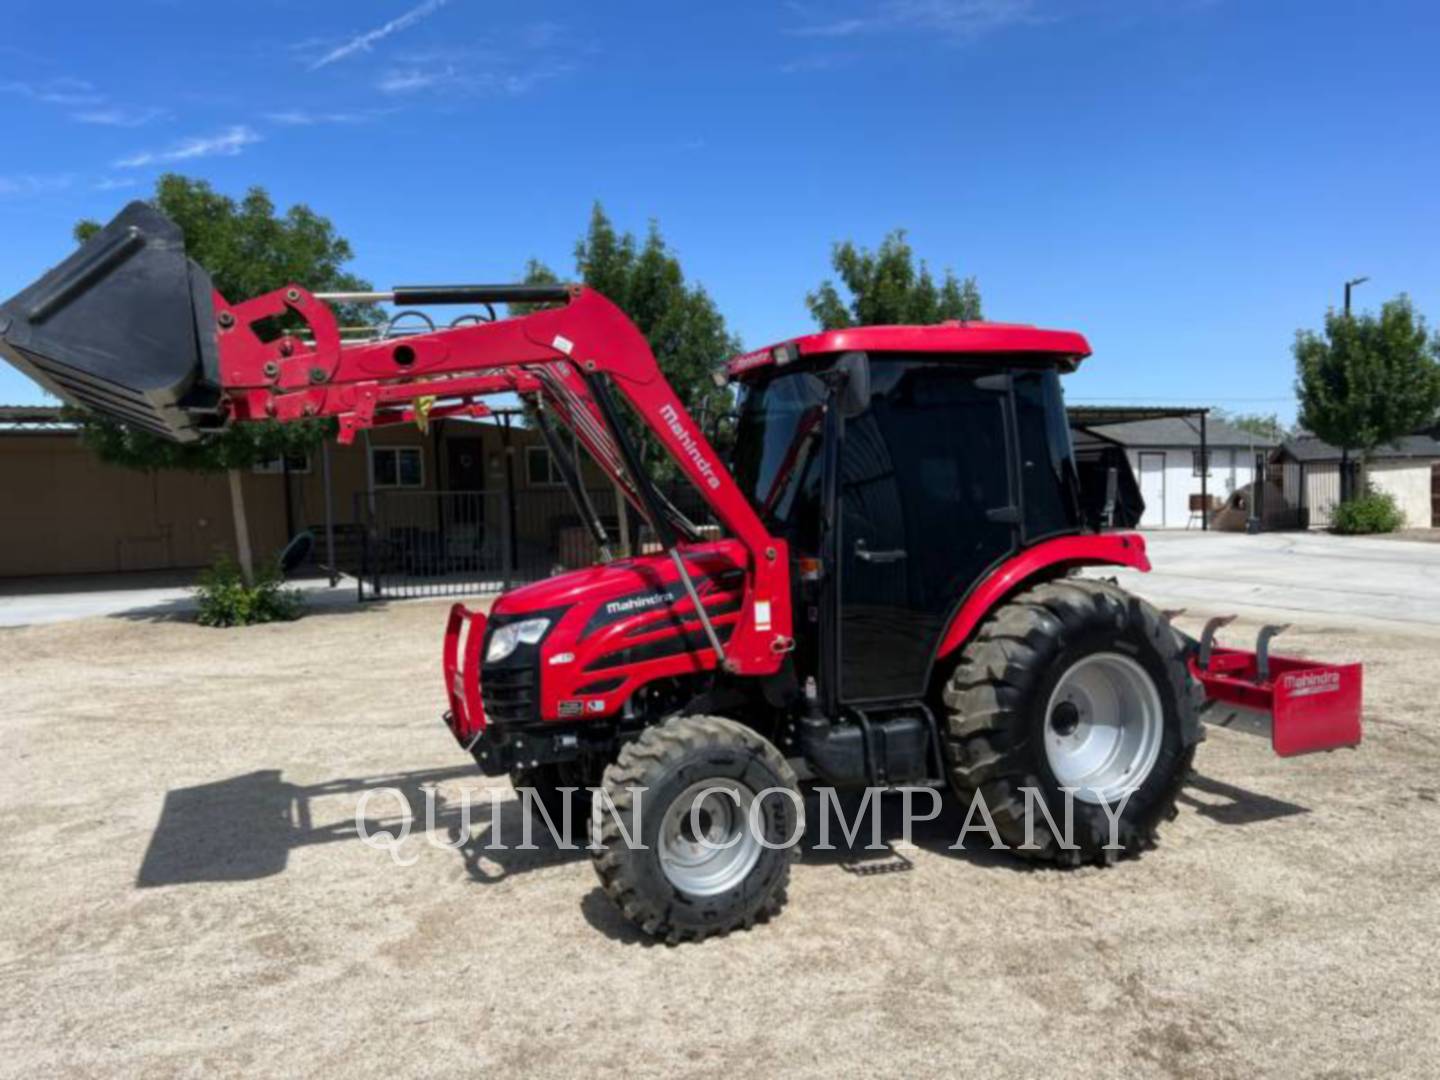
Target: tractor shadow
<point>876,842</point>
<point>1227,804</point>
<point>245,827</point>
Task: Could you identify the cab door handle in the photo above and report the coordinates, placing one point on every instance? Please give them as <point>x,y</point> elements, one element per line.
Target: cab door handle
<point>864,554</point>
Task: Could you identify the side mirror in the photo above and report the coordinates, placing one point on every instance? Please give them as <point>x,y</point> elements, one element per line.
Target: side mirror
<point>855,389</point>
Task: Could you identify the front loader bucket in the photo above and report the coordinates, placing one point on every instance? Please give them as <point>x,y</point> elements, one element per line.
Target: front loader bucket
<point>124,328</point>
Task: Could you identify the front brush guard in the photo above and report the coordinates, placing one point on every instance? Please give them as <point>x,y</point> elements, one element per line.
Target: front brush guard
<point>1309,706</point>
<point>464,637</point>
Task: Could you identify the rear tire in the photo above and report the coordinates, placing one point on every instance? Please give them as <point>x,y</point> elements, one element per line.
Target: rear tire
<point>669,883</point>
<point>1073,684</point>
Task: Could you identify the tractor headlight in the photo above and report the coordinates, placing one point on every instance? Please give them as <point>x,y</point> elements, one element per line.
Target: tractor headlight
<point>508,638</point>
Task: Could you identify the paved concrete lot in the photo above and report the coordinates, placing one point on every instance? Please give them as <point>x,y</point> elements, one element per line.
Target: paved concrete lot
<point>1387,584</point>
<point>1375,581</point>
<point>185,895</point>
<point>162,594</point>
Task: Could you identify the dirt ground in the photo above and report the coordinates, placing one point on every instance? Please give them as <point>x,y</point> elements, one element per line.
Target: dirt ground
<point>187,895</point>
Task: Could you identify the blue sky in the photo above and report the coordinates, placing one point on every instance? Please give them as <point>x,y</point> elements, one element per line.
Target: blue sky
<point>1185,181</point>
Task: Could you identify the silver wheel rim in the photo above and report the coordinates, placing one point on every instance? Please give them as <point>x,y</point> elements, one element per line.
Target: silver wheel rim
<point>1103,727</point>
<point>723,851</point>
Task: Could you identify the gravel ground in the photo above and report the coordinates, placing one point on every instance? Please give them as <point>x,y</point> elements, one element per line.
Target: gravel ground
<point>187,896</point>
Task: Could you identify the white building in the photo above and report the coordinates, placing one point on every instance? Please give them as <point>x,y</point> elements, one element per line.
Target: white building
<point>1409,469</point>
<point>1165,456</point>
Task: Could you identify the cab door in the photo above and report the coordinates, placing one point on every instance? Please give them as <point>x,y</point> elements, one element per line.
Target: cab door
<point>926,505</point>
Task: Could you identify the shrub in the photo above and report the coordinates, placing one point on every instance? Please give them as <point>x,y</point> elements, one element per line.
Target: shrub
<point>225,599</point>
<point>1373,512</point>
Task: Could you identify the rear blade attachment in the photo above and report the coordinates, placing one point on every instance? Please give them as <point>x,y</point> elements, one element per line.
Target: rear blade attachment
<point>1306,705</point>
<point>124,327</point>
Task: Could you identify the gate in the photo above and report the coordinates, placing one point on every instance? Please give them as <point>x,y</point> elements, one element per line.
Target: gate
<point>1282,490</point>
<point>431,543</point>
<point>459,543</point>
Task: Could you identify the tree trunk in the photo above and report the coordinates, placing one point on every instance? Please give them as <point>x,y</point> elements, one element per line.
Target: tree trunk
<point>242,529</point>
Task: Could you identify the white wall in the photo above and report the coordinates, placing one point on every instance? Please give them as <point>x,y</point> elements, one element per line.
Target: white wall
<point>1409,483</point>
<point>1229,470</point>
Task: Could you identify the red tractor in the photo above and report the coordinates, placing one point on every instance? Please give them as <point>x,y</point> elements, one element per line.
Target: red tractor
<point>890,598</point>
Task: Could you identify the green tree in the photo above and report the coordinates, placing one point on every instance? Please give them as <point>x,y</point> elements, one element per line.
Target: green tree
<point>1367,380</point>
<point>248,249</point>
<point>685,329</point>
<point>1263,425</point>
<point>887,288</point>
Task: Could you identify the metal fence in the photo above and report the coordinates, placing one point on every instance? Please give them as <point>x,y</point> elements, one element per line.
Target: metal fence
<point>452,543</point>
<point>1301,495</point>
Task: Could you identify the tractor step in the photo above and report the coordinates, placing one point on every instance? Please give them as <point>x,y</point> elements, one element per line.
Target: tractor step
<point>124,328</point>
<point>895,863</point>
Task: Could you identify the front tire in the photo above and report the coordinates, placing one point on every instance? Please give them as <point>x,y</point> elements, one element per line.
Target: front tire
<point>731,783</point>
<point>1073,684</point>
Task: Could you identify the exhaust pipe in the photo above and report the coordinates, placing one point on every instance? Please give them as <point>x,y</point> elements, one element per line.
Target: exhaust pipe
<point>124,328</point>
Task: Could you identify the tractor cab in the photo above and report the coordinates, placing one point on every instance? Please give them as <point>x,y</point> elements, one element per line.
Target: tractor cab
<point>900,474</point>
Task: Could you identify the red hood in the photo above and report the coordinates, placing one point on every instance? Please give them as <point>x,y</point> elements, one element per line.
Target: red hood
<point>619,578</point>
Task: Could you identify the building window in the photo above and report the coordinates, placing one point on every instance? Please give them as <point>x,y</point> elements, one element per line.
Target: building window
<point>1199,463</point>
<point>299,463</point>
<point>397,466</point>
<point>540,468</point>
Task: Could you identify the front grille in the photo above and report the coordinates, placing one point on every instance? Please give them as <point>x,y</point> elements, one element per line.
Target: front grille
<point>508,694</point>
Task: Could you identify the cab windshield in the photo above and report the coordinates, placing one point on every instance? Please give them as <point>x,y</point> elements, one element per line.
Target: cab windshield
<point>776,460</point>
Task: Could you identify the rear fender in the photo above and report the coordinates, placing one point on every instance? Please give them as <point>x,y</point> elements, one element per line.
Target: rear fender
<point>1044,561</point>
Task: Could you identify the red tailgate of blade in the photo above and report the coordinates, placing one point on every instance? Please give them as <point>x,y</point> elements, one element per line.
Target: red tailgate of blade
<point>1317,706</point>
<point>1312,706</point>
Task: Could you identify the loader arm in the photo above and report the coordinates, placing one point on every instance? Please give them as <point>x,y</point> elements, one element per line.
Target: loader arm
<point>129,327</point>
<point>569,356</point>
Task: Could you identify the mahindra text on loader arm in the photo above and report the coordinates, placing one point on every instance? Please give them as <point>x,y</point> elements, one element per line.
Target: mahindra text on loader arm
<point>890,598</point>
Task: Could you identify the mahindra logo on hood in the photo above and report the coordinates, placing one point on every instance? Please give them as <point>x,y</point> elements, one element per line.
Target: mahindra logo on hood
<point>635,603</point>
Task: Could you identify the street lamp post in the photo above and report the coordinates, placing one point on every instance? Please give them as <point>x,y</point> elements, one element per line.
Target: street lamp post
<point>1350,285</point>
<point>1346,485</point>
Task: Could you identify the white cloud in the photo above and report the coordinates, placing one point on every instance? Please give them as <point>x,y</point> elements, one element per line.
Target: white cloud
<point>115,183</point>
<point>64,91</point>
<point>409,80</point>
<point>92,106</point>
<point>363,42</point>
<point>838,28</point>
<point>524,82</point>
<point>462,80</point>
<point>119,116</point>
<point>17,186</point>
<point>961,19</point>
<point>303,118</point>
<point>227,144</point>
